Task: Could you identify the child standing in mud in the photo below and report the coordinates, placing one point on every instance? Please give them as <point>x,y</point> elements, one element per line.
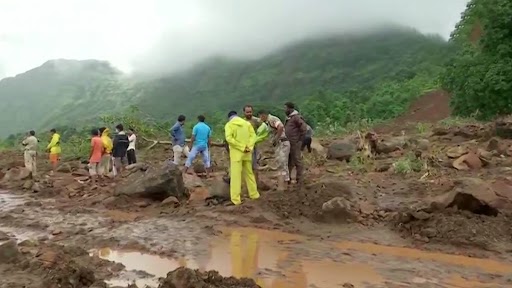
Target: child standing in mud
<point>95,156</point>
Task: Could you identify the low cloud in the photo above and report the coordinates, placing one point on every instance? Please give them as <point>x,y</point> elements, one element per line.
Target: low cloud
<point>160,36</point>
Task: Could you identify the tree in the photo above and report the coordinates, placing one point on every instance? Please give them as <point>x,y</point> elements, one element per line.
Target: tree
<point>480,75</point>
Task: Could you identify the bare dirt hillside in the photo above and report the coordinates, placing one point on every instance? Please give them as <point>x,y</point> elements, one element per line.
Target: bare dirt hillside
<point>429,108</point>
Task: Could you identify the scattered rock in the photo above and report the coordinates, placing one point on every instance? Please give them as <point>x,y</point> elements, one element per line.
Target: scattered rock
<point>28,184</point>
<point>80,172</point>
<point>137,166</point>
<point>456,152</point>
<point>390,145</point>
<point>187,278</point>
<point>171,201</point>
<point>199,168</point>
<point>338,209</point>
<point>366,208</point>
<point>157,183</point>
<point>476,196</point>
<point>341,150</point>
<point>317,146</point>
<point>493,144</point>
<point>36,188</point>
<point>423,144</point>
<point>4,236</point>
<point>469,161</point>
<point>9,252</point>
<point>439,131</point>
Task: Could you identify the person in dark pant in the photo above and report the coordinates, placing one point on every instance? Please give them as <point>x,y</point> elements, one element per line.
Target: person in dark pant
<point>307,140</point>
<point>121,144</point>
<point>295,129</point>
<point>130,153</point>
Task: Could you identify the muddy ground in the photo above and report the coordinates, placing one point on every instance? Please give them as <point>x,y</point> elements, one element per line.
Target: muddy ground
<point>405,218</point>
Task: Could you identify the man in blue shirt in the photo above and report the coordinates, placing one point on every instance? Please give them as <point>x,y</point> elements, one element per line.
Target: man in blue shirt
<point>200,140</point>
<point>178,140</point>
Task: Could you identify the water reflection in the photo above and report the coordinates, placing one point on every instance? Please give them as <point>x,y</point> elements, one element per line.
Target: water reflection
<point>273,261</point>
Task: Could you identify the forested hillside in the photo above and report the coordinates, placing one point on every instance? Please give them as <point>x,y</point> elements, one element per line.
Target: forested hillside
<point>479,77</point>
<point>351,67</point>
<point>335,79</point>
<point>61,92</point>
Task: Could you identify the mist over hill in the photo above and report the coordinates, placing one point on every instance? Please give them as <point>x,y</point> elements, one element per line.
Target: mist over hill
<point>72,92</point>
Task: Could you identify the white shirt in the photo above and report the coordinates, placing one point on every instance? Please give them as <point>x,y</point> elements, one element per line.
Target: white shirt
<point>132,138</point>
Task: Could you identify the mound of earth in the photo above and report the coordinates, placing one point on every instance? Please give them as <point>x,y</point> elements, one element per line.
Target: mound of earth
<point>455,227</point>
<point>33,265</point>
<point>306,202</point>
<point>188,278</point>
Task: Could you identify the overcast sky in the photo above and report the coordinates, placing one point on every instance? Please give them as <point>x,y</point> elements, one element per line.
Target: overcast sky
<point>156,35</point>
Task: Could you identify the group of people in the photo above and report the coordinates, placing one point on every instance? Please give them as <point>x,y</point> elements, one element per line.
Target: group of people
<point>110,156</point>
<point>103,150</point>
<point>242,137</point>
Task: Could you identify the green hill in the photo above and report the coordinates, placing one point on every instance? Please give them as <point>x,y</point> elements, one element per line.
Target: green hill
<point>337,68</point>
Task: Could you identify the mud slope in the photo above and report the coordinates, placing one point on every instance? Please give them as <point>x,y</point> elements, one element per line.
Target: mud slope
<point>429,108</point>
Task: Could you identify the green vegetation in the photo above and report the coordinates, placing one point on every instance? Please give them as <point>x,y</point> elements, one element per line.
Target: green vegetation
<point>338,82</point>
<point>480,75</point>
<point>408,164</point>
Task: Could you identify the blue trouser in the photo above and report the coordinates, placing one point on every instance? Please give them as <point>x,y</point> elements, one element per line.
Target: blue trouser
<point>205,153</point>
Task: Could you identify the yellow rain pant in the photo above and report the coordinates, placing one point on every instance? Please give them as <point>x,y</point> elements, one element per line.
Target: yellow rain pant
<point>244,258</point>
<point>237,168</point>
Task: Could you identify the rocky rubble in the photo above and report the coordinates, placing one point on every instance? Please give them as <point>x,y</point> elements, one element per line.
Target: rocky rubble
<point>188,278</point>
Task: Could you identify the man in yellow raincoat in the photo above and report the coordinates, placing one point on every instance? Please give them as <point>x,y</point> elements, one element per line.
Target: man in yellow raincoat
<point>104,167</point>
<point>54,149</point>
<point>240,137</point>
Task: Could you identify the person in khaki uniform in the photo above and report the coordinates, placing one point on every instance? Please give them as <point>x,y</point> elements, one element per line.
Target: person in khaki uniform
<point>282,147</point>
<point>30,153</point>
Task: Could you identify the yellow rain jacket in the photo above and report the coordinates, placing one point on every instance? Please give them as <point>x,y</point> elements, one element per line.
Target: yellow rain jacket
<point>107,141</point>
<point>54,145</point>
<point>239,135</point>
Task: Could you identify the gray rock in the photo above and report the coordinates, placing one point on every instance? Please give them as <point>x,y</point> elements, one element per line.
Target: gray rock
<point>338,209</point>
<point>341,150</point>
<point>9,252</point>
<point>156,183</point>
<point>4,236</point>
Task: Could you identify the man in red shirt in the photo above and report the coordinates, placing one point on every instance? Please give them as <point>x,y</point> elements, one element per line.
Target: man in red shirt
<point>96,153</point>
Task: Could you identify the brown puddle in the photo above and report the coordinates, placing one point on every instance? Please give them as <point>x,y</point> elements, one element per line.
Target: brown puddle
<point>273,261</point>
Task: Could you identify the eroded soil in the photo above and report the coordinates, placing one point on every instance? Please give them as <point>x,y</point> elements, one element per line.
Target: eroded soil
<point>349,226</point>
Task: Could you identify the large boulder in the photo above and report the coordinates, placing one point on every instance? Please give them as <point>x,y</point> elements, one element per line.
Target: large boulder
<point>218,192</point>
<point>477,196</point>
<point>156,183</point>
<point>341,150</point>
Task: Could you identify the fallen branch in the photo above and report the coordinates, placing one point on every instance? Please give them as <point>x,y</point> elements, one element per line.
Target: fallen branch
<point>155,142</point>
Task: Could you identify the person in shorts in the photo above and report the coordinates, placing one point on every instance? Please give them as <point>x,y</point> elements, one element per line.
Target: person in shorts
<point>121,143</point>
<point>95,156</point>
<point>54,149</point>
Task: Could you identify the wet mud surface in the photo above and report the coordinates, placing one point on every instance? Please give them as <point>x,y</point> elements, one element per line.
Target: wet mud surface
<point>346,227</point>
